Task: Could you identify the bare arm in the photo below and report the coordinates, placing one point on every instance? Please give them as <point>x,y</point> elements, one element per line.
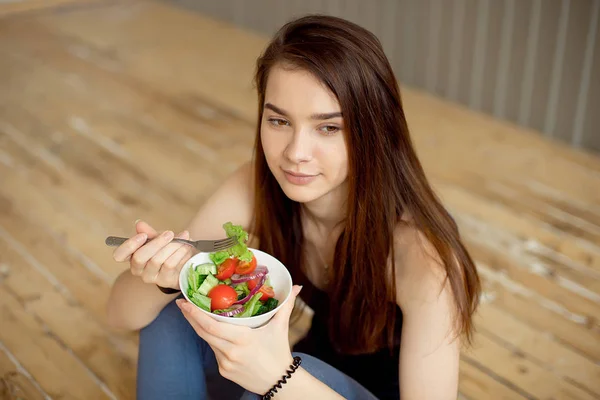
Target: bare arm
<point>303,386</point>
<point>429,354</point>
<point>135,300</point>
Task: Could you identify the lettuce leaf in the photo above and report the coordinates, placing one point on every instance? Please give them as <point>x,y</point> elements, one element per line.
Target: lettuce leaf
<point>240,250</point>
<point>219,257</point>
<point>235,231</point>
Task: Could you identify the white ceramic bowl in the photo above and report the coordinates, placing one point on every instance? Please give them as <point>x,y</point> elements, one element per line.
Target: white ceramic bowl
<point>280,280</point>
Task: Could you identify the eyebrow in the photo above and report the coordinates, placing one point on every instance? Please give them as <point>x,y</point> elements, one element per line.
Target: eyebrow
<point>320,116</point>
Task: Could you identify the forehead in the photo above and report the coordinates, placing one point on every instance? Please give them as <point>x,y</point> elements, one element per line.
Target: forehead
<point>299,92</point>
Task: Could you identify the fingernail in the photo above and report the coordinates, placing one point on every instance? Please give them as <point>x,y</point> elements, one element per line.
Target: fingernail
<point>141,237</point>
<point>136,221</point>
<point>168,235</point>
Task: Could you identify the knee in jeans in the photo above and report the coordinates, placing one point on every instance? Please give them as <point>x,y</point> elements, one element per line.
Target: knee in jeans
<point>169,315</point>
<point>307,359</point>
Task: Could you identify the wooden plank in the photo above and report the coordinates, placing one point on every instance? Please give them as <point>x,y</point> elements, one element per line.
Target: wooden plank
<point>496,150</point>
<point>581,221</point>
<point>474,383</point>
<point>542,240</point>
<point>58,372</point>
<point>539,346</point>
<point>15,382</point>
<point>522,372</point>
<point>12,7</point>
<point>60,221</point>
<point>111,357</point>
<point>71,274</point>
<point>90,74</point>
<point>574,217</point>
<point>545,286</point>
<point>126,134</point>
<point>84,281</point>
<point>106,202</point>
<point>230,84</point>
<point>522,303</point>
<point>65,208</point>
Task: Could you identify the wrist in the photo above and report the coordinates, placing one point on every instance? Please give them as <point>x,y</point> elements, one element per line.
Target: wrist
<point>291,366</point>
<point>168,290</point>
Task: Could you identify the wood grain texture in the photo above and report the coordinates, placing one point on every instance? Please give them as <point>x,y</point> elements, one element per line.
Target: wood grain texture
<point>105,119</point>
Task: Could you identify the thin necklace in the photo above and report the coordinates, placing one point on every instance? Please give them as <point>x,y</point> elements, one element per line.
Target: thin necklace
<point>325,265</point>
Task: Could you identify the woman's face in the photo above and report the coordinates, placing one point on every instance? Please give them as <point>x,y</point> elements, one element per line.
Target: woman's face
<point>302,135</point>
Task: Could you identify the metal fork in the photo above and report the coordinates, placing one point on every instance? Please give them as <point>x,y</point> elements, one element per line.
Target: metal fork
<point>200,245</point>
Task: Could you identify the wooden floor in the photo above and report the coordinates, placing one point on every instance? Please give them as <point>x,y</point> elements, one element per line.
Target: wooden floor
<point>109,113</point>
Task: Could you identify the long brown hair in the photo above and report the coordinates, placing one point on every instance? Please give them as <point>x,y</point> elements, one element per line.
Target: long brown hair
<point>385,180</point>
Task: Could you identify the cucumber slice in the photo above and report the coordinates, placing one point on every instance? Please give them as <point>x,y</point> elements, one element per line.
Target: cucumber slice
<point>201,301</point>
<point>206,268</point>
<point>209,283</point>
<point>193,281</point>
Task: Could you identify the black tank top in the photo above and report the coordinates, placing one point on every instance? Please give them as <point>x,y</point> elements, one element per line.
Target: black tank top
<point>377,372</point>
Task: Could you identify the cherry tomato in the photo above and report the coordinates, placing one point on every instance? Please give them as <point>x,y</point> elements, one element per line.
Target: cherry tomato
<point>222,297</point>
<point>267,291</point>
<point>226,269</point>
<point>245,267</point>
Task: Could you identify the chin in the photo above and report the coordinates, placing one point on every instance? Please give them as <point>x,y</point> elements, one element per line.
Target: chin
<point>300,194</point>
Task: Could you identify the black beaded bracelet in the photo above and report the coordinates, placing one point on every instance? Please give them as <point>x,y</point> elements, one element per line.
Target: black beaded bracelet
<point>168,290</point>
<point>293,367</point>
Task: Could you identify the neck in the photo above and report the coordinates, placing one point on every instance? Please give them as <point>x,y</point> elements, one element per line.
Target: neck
<point>327,212</point>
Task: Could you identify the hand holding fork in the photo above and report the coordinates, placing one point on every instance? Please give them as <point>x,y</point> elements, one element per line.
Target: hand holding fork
<point>158,258</point>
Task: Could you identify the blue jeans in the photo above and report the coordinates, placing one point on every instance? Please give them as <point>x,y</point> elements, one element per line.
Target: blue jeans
<point>175,363</point>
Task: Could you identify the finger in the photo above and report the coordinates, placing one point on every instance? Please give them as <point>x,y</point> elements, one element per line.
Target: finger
<point>173,264</point>
<point>177,256</point>
<point>211,327</point>
<point>206,327</point>
<point>144,227</point>
<point>125,250</point>
<point>154,267</point>
<point>140,258</point>
<point>283,315</point>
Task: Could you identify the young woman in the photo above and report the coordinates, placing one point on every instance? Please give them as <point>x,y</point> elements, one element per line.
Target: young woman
<point>336,192</point>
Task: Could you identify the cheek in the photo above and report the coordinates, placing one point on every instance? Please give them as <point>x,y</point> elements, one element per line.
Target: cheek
<point>343,166</point>
<point>334,159</point>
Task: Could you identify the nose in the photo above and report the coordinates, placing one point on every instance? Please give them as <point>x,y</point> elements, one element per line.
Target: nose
<point>299,149</point>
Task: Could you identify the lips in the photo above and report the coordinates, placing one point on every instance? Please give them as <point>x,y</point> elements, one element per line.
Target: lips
<point>297,178</point>
<point>298,174</point>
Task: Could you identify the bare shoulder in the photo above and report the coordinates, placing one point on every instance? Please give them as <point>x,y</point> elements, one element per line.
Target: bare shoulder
<point>419,271</point>
<point>233,201</point>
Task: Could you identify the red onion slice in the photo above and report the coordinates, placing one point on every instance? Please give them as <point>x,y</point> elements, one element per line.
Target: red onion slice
<point>261,270</point>
<point>236,309</point>
<point>253,291</point>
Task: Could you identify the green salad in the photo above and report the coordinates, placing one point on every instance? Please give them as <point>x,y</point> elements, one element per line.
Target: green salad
<point>232,284</point>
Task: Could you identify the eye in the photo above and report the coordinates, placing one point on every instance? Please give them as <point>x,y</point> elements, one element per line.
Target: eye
<point>278,122</point>
<point>329,129</point>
